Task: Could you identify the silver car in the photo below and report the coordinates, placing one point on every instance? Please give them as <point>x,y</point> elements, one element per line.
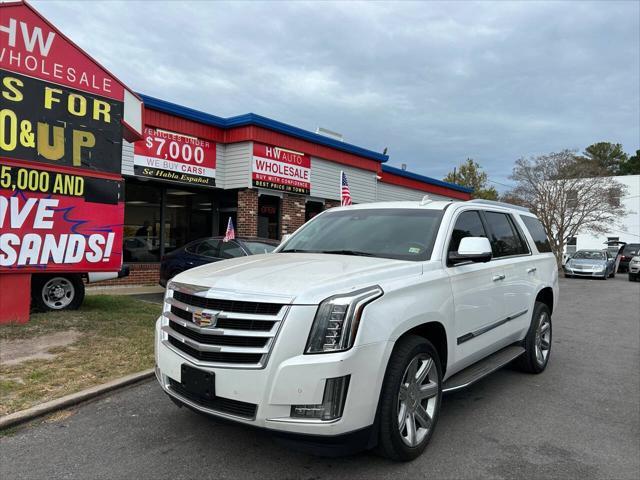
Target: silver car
<point>591,263</point>
<point>634,269</point>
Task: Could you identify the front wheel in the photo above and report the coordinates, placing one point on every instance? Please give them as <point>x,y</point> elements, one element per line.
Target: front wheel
<point>537,343</point>
<point>410,399</point>
<point>56,292</point>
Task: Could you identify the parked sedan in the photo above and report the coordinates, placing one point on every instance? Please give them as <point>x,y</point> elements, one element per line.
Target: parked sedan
<point>590,263</point>
<point>208,250</point>
<point>634,269</point>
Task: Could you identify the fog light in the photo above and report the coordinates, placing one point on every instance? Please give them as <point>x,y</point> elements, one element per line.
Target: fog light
<point>335,394</point>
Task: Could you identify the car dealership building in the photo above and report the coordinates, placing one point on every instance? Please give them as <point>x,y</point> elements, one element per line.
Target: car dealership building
<point>193,171</point>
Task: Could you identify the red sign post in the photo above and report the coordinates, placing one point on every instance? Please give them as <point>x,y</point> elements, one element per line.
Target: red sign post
<point>62,121</point>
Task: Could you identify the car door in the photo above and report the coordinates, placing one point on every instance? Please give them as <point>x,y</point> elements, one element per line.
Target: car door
<point>512,253</point>
<point>478,298</point>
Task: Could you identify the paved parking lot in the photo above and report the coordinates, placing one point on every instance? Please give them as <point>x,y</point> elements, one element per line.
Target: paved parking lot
<point>579,419</point>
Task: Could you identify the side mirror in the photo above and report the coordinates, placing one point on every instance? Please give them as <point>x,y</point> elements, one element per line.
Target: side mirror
<point>472,249</point>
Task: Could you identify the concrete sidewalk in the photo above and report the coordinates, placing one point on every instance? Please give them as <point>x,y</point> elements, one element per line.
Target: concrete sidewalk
<point>128,290</point>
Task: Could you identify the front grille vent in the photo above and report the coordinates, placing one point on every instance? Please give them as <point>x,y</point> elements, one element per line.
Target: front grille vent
<point>234,306</point>
<point>219,404</point>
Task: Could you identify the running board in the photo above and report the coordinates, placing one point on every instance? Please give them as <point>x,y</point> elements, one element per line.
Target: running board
<point>481,369</point>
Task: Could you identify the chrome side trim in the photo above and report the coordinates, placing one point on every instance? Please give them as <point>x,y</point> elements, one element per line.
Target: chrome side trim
<point>485,329</point>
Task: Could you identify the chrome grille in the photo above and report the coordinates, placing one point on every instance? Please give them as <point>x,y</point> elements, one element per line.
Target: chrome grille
<point>235,339</point>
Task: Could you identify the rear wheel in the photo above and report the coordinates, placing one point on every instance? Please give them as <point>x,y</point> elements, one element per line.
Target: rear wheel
<point>410,399</point>
<point>537,343</point>
<point>56,292</point>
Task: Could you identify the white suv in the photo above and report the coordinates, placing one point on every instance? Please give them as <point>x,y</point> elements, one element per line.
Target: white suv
<point>348,335</point>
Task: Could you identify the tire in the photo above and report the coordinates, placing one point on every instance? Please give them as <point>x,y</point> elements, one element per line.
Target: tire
<point>411,353</point>
<point>566,275</point>
<point>56,292</point>
<point>536,356</point>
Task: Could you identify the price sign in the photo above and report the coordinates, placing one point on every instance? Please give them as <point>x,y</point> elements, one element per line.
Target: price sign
<point>172,156</point>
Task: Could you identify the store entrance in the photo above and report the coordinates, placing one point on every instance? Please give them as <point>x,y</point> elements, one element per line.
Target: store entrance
<point>269,216</point>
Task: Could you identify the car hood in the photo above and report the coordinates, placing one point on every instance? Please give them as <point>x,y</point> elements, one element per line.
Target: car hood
<point>300,278</point>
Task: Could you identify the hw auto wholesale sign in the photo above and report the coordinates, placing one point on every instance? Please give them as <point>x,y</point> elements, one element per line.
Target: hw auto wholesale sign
<point>173,156</point>
<point>281,169</point>
<point>61,130</point>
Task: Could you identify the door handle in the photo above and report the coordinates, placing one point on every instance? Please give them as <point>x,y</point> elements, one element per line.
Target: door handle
<point>531,270</point>
<point>498,277</point>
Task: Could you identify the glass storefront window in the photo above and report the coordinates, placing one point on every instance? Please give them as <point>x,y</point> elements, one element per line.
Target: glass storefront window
<point>141,242</point>
<point>188,216</point>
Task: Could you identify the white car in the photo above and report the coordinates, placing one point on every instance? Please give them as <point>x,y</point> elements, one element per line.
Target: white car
<point>350,332</point>
<point>634,269</point>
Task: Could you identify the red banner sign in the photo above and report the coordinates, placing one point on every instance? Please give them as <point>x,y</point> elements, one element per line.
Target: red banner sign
<point>281,169</point>
<point>54,221</point>
<point>176,157</point>
<point>31,46</point>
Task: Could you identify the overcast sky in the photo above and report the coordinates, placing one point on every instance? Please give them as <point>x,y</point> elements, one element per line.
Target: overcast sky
<point>434,82</point>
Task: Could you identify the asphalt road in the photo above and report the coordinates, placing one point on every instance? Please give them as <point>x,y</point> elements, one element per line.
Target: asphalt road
<point>579,419</point>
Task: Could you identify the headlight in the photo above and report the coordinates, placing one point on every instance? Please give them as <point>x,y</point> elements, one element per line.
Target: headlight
<point>336,323</point>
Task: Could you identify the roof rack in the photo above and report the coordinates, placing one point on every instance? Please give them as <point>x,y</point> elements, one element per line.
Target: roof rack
<point>498,204</point>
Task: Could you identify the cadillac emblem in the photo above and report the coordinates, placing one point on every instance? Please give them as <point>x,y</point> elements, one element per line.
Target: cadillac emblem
<point>203,319</point>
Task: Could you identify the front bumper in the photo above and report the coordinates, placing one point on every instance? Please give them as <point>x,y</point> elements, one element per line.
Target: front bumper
<point>288,378</point>
<point>584,272</point>
<point>634,268</point>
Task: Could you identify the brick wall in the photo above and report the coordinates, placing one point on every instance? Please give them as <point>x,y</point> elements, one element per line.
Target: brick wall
<point>247,220</point>
<point>330,204</point>
<point>139,274</point>
<point>292,214</point>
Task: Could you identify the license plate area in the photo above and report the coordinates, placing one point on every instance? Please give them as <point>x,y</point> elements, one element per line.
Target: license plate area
<point>198,382</point>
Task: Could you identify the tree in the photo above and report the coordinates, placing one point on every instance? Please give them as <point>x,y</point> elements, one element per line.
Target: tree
<point>603,158</point>
<point>566,205</point>
<point>470,174</point>
<point>631,166</point>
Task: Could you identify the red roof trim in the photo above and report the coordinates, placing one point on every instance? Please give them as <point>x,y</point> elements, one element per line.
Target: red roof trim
<point>425,187</point>
<point>154,118</point>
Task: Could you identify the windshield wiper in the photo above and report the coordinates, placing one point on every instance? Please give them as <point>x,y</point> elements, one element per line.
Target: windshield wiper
<point>348,252</point>
<point>300,250</point>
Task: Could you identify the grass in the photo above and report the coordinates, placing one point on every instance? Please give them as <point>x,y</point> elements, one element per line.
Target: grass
<point>116,339</point>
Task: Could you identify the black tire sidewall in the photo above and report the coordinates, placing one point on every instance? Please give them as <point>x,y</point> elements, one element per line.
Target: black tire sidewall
<point>392,444</point>
<point>530,340</point>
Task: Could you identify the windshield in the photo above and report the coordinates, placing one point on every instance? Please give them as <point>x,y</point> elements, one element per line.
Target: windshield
<point>256,248</point>
<point>589,255</point>
<point>388,233</point>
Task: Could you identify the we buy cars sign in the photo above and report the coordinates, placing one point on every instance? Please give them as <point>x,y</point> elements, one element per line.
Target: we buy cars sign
<point>176,157</point>
<point>277,168</point>
<point>62,121</point>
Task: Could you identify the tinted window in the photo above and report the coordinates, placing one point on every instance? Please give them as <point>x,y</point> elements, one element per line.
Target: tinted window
<point>536,230</point>
<point>402,234</point>
<point>468,224</point>
<point>256,248</point>
<point>206,248</point>
<point>505,240</point>
<point>230,250</point>
<point>631,249</point>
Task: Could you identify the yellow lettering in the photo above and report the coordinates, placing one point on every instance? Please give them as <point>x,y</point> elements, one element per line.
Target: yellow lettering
<point>50,148</point>
<point>79,109</point>
<point>100,107</point>
<point>81,139</point>
<point>8,144</point>
<point>12,84</point>
<point>49,99</point>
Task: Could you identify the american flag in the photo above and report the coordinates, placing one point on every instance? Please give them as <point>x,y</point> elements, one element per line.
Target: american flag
<point>345,193</point>
<point>231,232</point>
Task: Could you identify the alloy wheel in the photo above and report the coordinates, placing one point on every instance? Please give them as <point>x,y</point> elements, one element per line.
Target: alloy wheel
<point>543,338</point>
<point>417,399</point>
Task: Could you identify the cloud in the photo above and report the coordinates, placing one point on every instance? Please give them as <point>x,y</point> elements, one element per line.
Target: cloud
<point>435,82</point>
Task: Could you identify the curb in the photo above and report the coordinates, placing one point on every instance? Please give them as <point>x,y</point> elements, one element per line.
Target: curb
<point>72,399</point>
